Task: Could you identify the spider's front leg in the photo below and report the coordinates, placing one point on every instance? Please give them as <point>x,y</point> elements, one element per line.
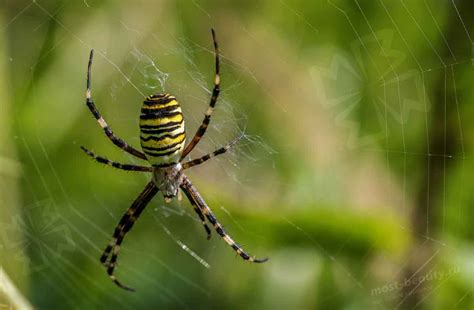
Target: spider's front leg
<point>196,199</point>
<point>125,224</point>
<point>199,213</point>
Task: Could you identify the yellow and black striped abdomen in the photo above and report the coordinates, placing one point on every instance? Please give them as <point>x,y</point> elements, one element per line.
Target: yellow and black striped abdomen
<point>162,134</point>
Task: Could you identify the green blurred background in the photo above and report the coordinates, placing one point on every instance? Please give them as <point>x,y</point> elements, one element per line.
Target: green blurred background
<point>354,176</point>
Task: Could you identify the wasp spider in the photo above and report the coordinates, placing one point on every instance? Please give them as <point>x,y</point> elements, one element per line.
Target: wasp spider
<point>163,143</point>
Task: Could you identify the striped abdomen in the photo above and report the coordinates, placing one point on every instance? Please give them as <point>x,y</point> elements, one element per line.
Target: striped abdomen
<point>162,133</point>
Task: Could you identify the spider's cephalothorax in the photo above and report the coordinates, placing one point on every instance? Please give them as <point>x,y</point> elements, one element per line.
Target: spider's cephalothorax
<point>168,179</point>
<point>162,134</point>
<point>162,138</point>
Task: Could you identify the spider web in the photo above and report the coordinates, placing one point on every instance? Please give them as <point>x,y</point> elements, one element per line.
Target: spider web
<point>59,229</point>
<point>67,229</point>
<point>383,56</point>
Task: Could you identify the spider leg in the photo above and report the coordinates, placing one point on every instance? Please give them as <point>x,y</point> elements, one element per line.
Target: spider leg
<point>205,158</point>
<point>215,93</point>
<point>105,161</point>
<point>125,224</point>
<point>192,192</point>
<point>199,213</point>
<point>90,104</point>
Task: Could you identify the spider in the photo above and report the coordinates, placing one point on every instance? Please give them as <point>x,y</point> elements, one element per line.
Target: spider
<point>163,143</point>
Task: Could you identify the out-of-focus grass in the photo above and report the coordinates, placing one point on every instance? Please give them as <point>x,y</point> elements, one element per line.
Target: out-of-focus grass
<point>327,228</point>
<point>12,260</point>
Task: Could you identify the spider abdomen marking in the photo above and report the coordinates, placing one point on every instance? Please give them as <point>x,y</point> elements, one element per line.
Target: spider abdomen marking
<point>162,133</point>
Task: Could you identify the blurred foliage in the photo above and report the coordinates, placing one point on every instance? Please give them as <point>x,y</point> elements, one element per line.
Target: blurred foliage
<point>354,177</point>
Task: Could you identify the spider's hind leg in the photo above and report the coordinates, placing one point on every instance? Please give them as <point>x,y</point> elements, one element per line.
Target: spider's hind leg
<point>102,123</point>
<point>212,103</point>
